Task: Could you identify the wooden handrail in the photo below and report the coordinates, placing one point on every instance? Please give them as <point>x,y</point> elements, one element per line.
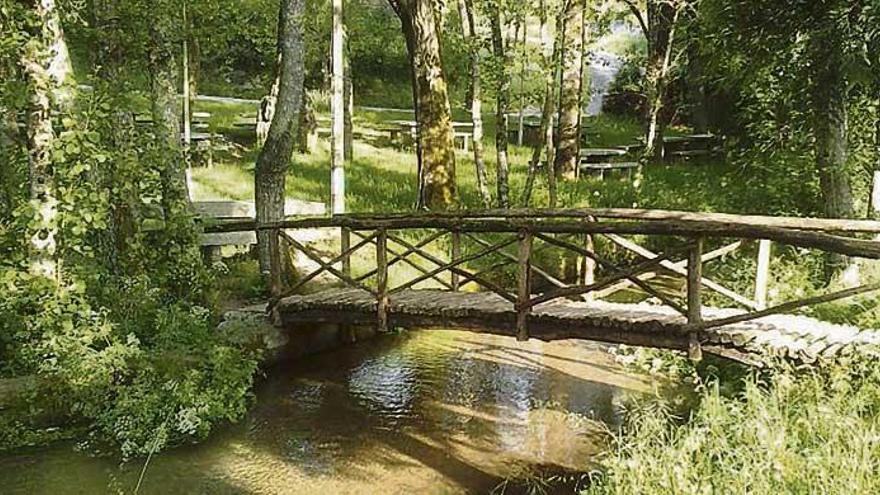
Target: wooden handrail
<point>687,228</point>
<point>838,225</point>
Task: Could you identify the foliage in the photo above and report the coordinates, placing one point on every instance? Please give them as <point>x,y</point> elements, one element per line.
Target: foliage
<point>121,343</point>
<point>793,431</point>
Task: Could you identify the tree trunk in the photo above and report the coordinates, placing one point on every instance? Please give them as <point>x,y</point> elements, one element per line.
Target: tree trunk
<point>46,66</point>
<point>307,132</point>
<point>662,17</point>
<point>568,141</point>
<point>830,127</point>
<point>829,99</point>
<point>545,143</point>
<point>166,112</point>
<point>468,27</point>
<point>275,156</point>
<point>438,188</point>
<point>502,96</point>
<point>110,57</point>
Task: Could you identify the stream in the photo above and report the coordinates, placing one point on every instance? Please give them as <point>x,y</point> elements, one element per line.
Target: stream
<point>422,412</point>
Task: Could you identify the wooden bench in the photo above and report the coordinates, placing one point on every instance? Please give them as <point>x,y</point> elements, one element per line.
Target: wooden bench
<point>238,210</point>
<point>601,168</point>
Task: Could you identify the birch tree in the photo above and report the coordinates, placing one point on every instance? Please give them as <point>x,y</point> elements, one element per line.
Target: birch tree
<point>469,33</point>
<point>46,64</point>
<point>502,98</point>
<point>568,141</point>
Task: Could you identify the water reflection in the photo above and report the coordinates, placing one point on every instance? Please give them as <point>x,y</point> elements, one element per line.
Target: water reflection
<point>423,412</point>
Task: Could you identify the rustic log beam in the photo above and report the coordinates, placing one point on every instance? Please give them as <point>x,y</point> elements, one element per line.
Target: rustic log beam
<point>679,265</point>
<point>577,290</point>
<point>447,266</point>
<point>468,276</point>
<point>710,284</point>
<point>344,244</point>
<point>688,228</point>
<point>455,253</point>
<point>327,266</point>
<point>513,259</point>
<point>608,264</point>
<point>342,256</point>
<point>694,298</point>
<point>402,258</point>
<point>524,288</point>
<point>799,223</point>
<point>382,280</point>
<point>788,306</point>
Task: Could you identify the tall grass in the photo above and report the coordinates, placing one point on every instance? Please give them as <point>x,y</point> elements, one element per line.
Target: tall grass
<point>790,431</point>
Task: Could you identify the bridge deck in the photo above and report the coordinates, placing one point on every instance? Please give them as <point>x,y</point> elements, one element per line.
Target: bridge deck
<point>636,324</point>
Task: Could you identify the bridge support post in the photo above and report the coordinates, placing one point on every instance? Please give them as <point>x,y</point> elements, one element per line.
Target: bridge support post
<point>524,275</point>
<point>275,285</point>
<point>454,256</point>
<point>694,298</point>
<point>763,273</point>
<point>382,280</point>
<point>344,246</point>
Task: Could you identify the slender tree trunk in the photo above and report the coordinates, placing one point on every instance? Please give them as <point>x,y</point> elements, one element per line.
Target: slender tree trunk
<point>699,100</point>
<point>662,19</point>
<point>438,188</point>
<point>337,111</point>
<point>409,37</point>
<point>567,149</point>
<point>502,96</point>
<point>123,193</point>
<point>545,143</point>
<point>830,94</point>
<point>166,113</point>
<point>46,65</point>
<point>307,136</point>
<point>829,99</point>
<point>275,156</point>
<point>522,83</point>
<point>9,148</point>
<point>468,26</point>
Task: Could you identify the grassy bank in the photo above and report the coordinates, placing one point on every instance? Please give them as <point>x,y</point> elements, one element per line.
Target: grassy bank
<point>784,431</point>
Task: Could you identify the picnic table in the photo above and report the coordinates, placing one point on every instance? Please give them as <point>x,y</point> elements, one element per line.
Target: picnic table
<point>600,161</point>
<point>532,131</point>
<point>405,132</point>
<point>688,146</point>
<point>602,168</point>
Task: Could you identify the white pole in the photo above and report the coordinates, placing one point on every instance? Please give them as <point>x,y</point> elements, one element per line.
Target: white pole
<point>337,108</point>
<point>762,276</point>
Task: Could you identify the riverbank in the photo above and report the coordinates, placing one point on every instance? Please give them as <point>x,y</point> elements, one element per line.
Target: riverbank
<point>785,430</point>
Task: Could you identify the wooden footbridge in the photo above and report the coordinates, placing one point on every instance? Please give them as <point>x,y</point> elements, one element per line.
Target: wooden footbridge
<point>549,274</point>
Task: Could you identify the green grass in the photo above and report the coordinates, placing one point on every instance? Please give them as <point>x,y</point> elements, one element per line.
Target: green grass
<point>382,178</point>
<point>791,431</point>
<point>785,431</point>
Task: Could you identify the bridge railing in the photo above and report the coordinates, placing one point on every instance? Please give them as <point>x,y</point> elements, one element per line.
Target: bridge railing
<point>474,237</point>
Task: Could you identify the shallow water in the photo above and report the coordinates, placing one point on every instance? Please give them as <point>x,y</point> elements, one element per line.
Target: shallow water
<point>422,412</point>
